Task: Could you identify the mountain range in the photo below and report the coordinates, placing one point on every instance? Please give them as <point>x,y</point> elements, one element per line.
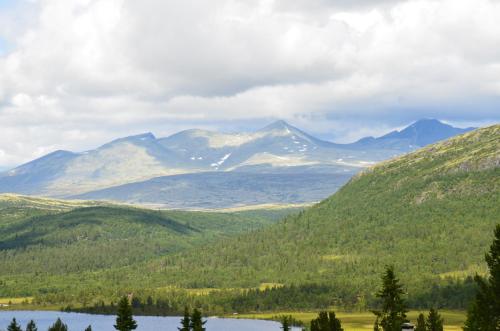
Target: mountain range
<point>206,169</point>
<point>430,213</point>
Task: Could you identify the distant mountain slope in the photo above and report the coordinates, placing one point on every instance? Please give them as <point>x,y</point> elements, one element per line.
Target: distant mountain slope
<point>430,213</point>
<point>418,134</point>
<point>278,148</point>
<point>20,202</point>
<point>216,190</point>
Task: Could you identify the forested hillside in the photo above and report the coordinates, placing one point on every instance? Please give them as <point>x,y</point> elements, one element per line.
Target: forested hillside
<point>42,241</point>
<point>430,213</point>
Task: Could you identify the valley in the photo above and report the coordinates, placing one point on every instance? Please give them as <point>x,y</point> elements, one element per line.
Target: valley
<point>236,165</point>
<point>430,213</point>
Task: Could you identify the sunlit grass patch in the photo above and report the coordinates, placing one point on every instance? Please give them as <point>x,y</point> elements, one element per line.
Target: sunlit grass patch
<point>332,257</point>
<point>265,286</point>
<point>15,301</point>
<point>462,274</point>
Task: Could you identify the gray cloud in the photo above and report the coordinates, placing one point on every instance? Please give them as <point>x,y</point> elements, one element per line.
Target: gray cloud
<point>80,72</point>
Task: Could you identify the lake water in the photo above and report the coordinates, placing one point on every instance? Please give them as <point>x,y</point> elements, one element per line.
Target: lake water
<point>78,322</point>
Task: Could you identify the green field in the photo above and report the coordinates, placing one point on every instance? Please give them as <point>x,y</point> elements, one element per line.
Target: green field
<point>363,321</point>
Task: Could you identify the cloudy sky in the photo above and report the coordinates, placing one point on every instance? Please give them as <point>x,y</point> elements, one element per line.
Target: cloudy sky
<point>77,73</point>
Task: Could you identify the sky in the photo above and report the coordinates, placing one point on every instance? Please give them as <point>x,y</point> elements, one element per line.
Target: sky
<point>75,74</point>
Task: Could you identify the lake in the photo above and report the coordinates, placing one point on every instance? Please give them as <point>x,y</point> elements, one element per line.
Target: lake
<point>78,322</point>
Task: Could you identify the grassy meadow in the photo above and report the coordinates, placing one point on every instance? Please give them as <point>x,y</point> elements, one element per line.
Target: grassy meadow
<point>362,321</point>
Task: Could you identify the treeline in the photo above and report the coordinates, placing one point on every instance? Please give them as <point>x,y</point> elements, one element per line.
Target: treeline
<point>124,320</point>
<point>31,326</point>
<point>453,294</point>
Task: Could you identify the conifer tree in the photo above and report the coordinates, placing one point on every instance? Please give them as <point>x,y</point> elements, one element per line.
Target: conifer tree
<point>323,321</point>
<point>124,319</point>
<point>393,312</point>
<point>420,323</point>
<point>196,321</point>
<point>89,328</point>
<point>484,312</point>
<point>14,326</point>
<point>285,323</point>
<point>326,322</point>
<point>334,322</point>
<point>185,321</point>
<point>434,321</point>
<point>58,326</point>
<point>31,326</point>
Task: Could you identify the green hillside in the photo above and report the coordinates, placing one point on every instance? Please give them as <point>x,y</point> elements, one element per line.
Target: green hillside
<point>43,241</point>
<point>430,213</point>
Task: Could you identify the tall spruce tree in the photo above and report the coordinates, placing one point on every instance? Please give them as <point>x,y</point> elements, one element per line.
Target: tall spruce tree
<point>14,326</point>
<point>393,312</point>
<point>31,326</point>
<point>58,326</point>
<point>197,323</point>
<point>89,328</point>
<point>420,323</point>
<point>124,319</point>
<point>185,321</point>
<point>484,312</point>
<point>434,321</point>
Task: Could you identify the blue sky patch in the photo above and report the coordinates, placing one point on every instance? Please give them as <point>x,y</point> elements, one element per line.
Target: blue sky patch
<point>6,3</point>
<point>3,46</point>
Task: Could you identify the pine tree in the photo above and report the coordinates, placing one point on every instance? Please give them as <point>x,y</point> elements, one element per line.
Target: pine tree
<point>58,326</point>
<point>326,321</point>
<point>89,328</point>
<point>196,321</point>
<point>31,326</point>
<point>420,323</point>
<point>484,312</point>
<point>393,313</point>
<point>124,318</point>
<point>285,323</point>
<point>14,326</point>
<point>185,321</point>
<point>334,322</point>
<point>323,321</point>
<point>434,321</point>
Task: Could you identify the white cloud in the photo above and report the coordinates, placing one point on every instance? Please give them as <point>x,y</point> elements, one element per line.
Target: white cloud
<point>80,72</point>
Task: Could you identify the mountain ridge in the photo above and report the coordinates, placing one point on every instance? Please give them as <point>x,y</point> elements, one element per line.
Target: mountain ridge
<point>276,148</point>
